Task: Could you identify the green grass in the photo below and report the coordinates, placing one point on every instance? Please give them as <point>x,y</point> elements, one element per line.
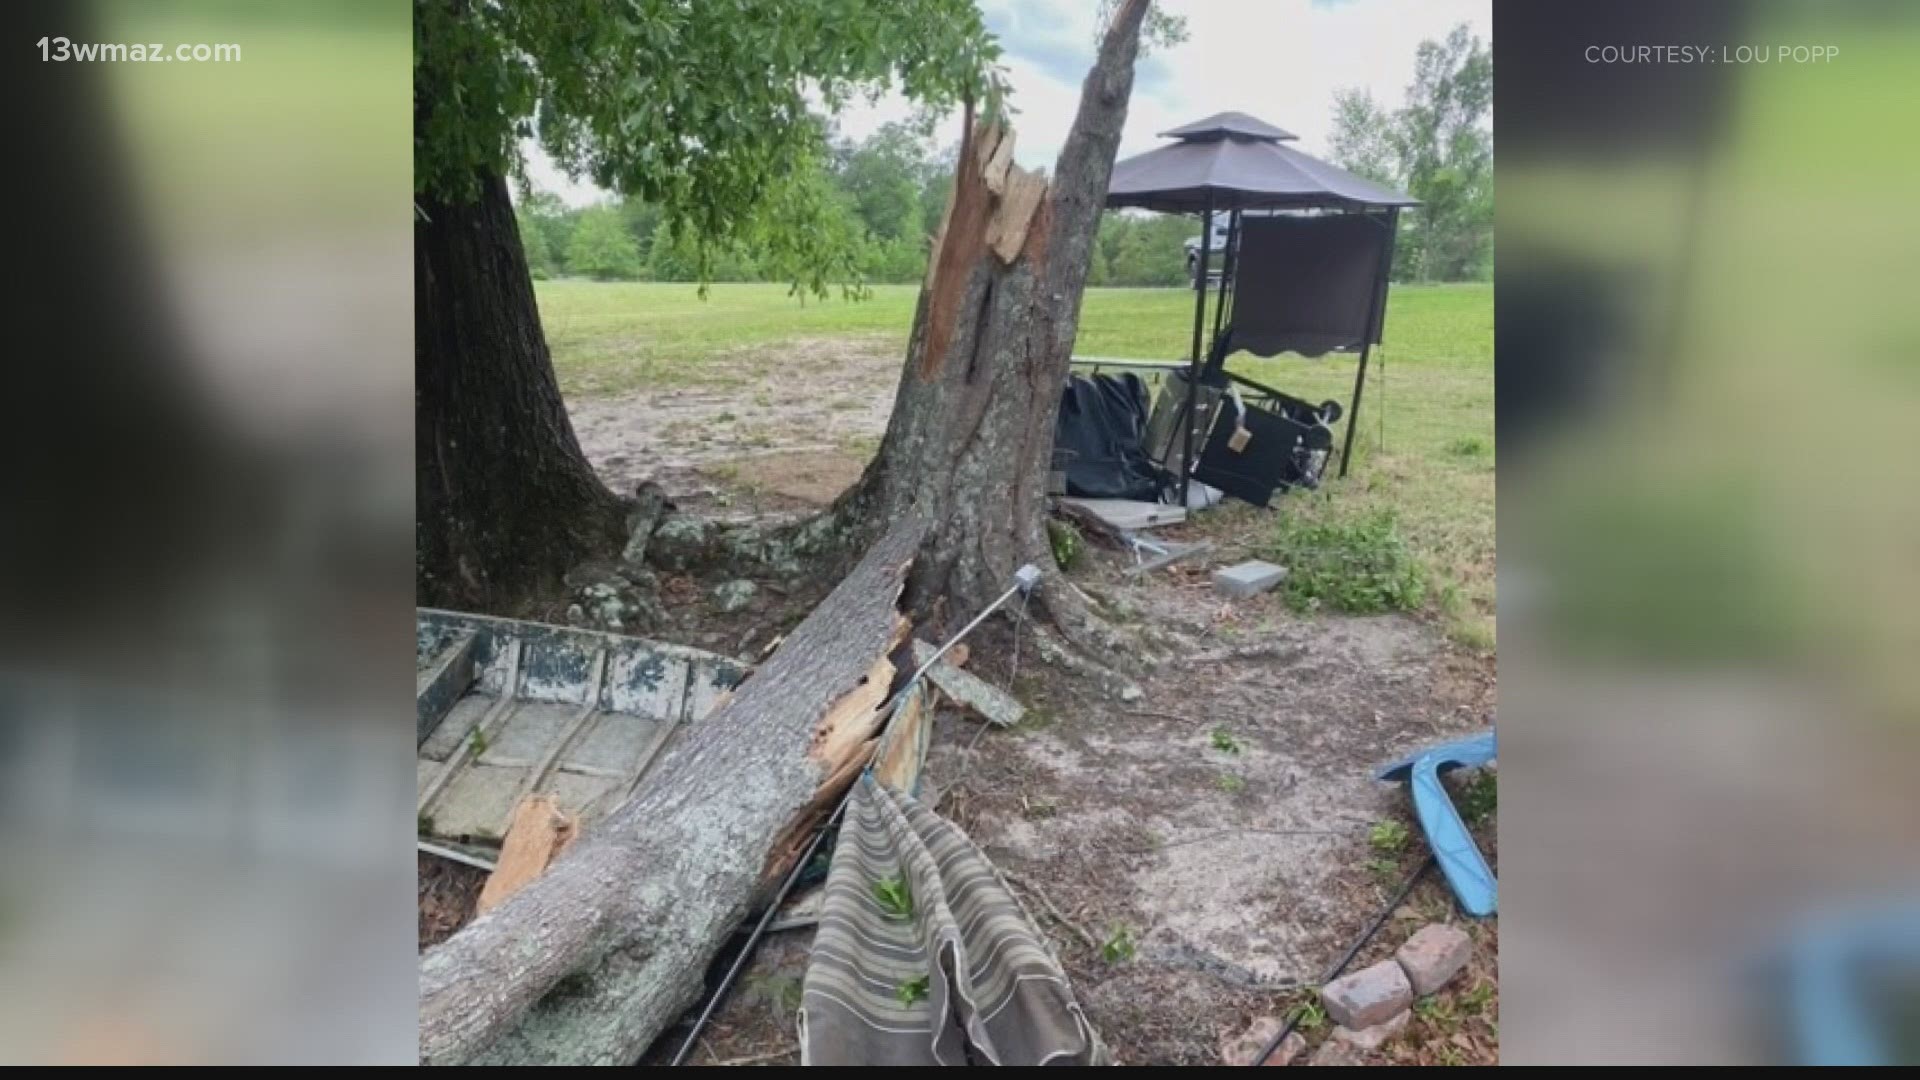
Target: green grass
<point>1425,449</point>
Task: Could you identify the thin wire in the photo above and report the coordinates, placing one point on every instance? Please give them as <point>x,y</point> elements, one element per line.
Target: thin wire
<point>1018,619</point>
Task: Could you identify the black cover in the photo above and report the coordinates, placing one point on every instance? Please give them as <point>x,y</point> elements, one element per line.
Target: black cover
<point>1307,284</point>
<point>1100,438</point>
<point>1288,448</point>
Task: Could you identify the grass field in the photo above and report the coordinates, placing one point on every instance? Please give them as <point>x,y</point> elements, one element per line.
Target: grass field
<point>1426,450</point>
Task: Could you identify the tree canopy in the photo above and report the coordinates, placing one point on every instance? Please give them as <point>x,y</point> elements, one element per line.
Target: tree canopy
<point>703,110</point>
<point>1438,148</point>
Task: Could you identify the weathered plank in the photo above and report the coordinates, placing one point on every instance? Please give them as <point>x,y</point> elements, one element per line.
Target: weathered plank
<point>969,690</point>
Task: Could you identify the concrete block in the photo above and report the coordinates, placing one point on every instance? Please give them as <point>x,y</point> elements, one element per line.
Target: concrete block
<point>1433,956</point>
<point>1248,578</point>
<point>1375,1037</point>
<point>1370,996</point>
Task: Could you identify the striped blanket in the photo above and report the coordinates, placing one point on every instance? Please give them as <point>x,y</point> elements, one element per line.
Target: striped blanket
<point>924,957</point>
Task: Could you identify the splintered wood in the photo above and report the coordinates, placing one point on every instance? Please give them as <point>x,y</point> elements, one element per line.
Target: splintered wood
<point>994,206</point>
<point>903,749</point>
<point>539,833</point>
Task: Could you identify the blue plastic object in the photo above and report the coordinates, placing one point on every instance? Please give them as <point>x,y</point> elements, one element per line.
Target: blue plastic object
<point>1453,847</point>
<point>1831,1017</point>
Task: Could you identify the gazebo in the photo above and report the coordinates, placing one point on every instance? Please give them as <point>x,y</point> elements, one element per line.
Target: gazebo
<point>1333,275</point>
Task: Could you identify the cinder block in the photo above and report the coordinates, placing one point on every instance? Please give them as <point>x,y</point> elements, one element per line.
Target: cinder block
<point>1375,1037</point>
<point>1248,578</point>
<point>1433,956</point>
<point>1372,995</point>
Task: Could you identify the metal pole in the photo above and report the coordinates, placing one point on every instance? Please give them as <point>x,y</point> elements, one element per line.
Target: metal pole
<point>1353,407</point>
<point>1227,260</point>
<point>1193,361</point>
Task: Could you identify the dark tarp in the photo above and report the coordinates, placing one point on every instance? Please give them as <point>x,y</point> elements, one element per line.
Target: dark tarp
<point>1099,439</point>
<point>1307,284</point>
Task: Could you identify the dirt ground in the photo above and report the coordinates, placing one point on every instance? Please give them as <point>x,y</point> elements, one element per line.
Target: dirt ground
<point>765,432</point>
<point>1197,855</point>
<point>1237,875</point>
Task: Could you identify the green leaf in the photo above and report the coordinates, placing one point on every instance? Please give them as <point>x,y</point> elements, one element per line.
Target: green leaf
<point>895,897</point>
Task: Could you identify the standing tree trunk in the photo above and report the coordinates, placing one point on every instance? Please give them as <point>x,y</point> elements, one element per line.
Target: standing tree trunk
<point>969,444</point>
<point>505,500</point>
<point>591,961</point>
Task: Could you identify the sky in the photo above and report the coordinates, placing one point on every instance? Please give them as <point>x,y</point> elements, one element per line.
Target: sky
<point>1280,60</point>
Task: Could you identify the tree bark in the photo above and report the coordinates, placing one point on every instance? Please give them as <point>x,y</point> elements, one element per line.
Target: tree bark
<point>970,440</point>
<point>505,500</point>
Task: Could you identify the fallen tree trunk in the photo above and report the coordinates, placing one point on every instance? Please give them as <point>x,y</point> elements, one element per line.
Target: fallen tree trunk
<point>587,963</point>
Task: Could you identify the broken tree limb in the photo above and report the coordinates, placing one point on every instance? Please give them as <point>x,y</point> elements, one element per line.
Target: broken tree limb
<point>588,962</point>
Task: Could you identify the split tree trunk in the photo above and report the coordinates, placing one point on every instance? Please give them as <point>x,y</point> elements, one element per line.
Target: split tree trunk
<point>592,960</point>
<point>970,441</point>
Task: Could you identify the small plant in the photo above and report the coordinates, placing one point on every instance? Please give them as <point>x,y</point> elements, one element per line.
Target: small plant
<point>1467,446</point>
<point>477,742</point>
<point>1313,1015</point>
<point>426,825</point>
<point>1436,1011</point>
<point>725,417</point>
<point>1449,1054</point>
<point>1224,741</point>
<point>1389,837</point>
<point>912,990</point>
<point>1068,546</point>
<point>1479,799</point>
<point>1477,999</point>
<point>895,897</point>
<point>1230,783</point>
<point>1119,948</point>
<point>1361,566</point>
<point>1383,870</point>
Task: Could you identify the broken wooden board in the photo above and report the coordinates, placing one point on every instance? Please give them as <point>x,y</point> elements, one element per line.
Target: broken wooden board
<point>1119,516</point>
<point>539,833</point>
<point>903,747</point>
<point>1007,232</point>
<point>969,691</point>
